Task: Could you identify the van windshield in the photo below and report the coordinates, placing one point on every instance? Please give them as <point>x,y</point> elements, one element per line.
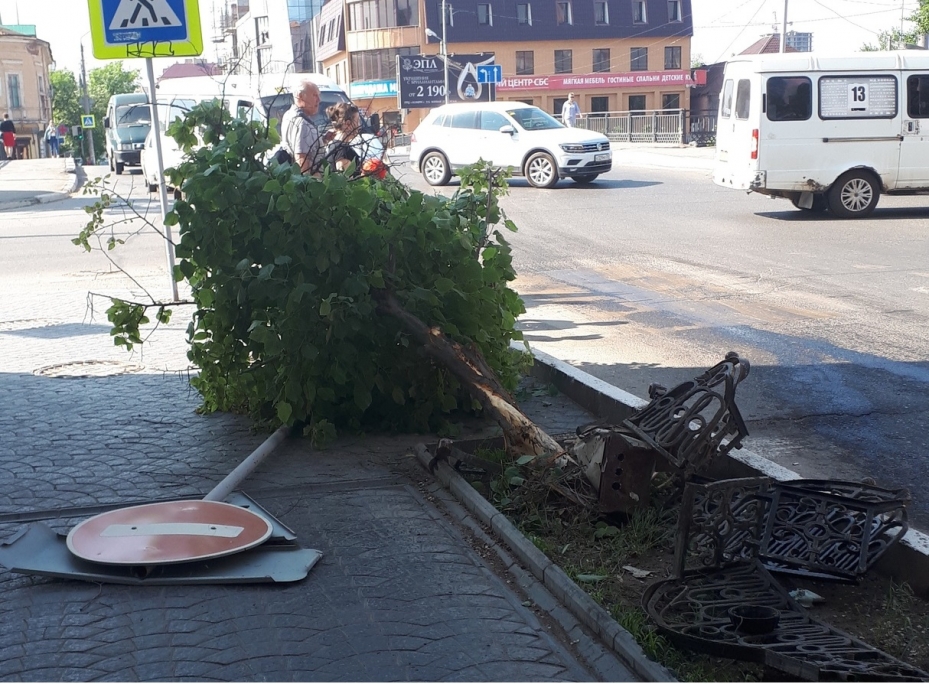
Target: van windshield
<point>133,115</point>
<point>276,105</point>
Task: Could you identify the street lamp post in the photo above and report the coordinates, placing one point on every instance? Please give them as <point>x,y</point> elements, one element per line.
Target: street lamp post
<point>445,49</point>
<point>93,158</point>
<point>784,29</point>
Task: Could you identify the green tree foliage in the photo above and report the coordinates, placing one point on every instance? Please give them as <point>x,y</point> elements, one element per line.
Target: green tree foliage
<point>892,40</point>
<point>66,104</point>
<point>103,83</point>
<point>294,278</point>
<point>921,18</point>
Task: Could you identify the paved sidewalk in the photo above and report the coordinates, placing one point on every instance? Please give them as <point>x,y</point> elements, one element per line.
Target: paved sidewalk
<point>24,182</point>
<point>400,593</point>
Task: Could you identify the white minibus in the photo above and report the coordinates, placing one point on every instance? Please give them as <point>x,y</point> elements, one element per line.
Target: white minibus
<point>825,132</point>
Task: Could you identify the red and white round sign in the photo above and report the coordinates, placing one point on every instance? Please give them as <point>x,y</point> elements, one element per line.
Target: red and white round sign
<point>169,532</point>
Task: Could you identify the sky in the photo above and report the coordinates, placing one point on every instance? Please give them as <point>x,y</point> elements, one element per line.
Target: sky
<point>721,27</point>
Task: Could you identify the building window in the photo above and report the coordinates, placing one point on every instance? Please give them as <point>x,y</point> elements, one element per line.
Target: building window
<point>563,61</point>
<point>13,93</point>
<point>563,12</point>
<point>670,101</point>
<point>378,65</point>
<point>263,55</point>
<point>372,14</point>
<point>672,57</point>
<point>524,14</point>
<point>262,31</point>
<point>638,58</point>
<point>485,16</point>
<point>599,104</point>
<point>636,103</point>
<point>638,12</point>
<point>601,59</point>
<point>558,106</point>
<point>674,10</point>
<point>601,13</point>
<point>525,62</point>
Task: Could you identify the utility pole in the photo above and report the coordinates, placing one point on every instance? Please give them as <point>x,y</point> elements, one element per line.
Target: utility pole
<point>93,157</point>
<point>445,49</point>
<point>784,29</point>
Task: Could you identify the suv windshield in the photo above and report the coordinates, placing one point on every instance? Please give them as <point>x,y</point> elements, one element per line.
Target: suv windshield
<point>133,115</point>
<point>534,119</point>
<point>277,105</point>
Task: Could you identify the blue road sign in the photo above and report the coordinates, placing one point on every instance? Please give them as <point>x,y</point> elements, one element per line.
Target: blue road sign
<point>489,73</point>
<point>144,21</point>
<point>87,121</point>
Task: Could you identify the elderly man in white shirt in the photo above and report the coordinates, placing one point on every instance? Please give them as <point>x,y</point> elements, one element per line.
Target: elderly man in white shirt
<point>300,136</point>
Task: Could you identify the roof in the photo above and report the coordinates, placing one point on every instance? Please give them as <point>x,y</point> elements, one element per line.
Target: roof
<point>849,61</point>
<point>502,105</point>
<point>187,69</point>
<point>767,45</point>
<point>22,29</point>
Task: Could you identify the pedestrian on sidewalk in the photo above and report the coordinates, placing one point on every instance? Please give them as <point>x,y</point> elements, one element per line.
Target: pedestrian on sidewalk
<point>300,137</point>
<point>51,139</point>
<point>8,133</point>
<point>570,111</point>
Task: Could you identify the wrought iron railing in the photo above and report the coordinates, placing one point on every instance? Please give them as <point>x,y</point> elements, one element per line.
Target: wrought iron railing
<point>650,125</point>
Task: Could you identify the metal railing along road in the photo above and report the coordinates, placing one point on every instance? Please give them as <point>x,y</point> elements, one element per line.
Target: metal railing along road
<point>650,125</point>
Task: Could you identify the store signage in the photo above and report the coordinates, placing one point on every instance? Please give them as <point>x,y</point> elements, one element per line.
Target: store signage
<point>361,90</point>
<point>421,80</point>
<point>629,79</point>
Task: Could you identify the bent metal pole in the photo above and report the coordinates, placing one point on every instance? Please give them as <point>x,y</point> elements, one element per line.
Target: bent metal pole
<point>162,191</point>
<point>245,468</point>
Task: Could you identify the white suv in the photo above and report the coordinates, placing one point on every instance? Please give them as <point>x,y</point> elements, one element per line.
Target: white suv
<point>510,134</point>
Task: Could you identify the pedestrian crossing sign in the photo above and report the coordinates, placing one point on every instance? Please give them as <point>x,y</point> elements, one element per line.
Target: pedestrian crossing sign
<point>123,29</point>
<point>87,121</point>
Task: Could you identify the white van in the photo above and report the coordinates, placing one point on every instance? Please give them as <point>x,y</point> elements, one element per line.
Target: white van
<point>257,98</point>
<point>826,132</point>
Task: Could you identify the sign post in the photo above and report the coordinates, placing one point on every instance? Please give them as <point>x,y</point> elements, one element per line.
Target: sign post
<point>127,29</point>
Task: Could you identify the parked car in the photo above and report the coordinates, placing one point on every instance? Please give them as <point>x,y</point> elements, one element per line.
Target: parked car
<point>126,124</point>
<point>508,134</point>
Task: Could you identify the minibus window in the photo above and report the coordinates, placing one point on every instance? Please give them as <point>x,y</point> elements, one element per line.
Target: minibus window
<point>789,98</point>
<point>917,97</point>
<point>726,103</point>
<point>743,99</point>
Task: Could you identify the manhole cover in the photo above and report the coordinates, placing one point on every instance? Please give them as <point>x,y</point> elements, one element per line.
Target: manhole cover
<point>87,369</point>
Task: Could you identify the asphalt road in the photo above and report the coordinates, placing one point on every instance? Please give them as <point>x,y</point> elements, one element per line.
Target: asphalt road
<point>652,275</point>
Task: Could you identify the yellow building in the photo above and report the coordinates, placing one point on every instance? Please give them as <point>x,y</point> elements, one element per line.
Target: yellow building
<point>24,87</point>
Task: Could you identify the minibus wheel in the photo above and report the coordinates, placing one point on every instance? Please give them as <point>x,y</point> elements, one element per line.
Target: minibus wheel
<point>854,195</point>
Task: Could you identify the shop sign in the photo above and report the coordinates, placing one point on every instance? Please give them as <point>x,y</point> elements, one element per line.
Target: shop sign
<point>630,79</point>
<point>362,90</point>
<point>421,80</point>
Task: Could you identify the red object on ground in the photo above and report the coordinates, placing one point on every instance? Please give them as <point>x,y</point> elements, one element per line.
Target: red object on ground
<point>168,532</point>
<point>374,167</point>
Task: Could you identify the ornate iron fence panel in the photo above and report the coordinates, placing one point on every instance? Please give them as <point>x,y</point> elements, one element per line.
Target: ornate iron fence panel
<point>701,127</point>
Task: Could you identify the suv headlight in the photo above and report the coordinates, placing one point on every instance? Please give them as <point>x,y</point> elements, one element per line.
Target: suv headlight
<point>572,148</point>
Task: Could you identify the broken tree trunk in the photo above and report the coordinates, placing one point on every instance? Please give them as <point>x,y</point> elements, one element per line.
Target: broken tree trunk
<point>522,436</point>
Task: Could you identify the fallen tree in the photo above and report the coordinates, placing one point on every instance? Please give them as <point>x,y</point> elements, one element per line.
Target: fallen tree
<point>338,302</point>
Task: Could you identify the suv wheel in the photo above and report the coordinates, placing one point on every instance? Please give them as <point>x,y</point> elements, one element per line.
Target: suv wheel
<point>541,170</point>
<point>435,169</point>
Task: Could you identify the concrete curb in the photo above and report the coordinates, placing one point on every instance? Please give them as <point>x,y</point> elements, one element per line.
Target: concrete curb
<point>907,561</point>
<point>575,599</point>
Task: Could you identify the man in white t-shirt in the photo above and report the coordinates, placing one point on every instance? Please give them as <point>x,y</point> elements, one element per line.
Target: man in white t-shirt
<point>299,135</point>
<point>570,111</point>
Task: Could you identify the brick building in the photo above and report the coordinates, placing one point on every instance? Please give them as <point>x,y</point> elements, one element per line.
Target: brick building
<point>616,55</point>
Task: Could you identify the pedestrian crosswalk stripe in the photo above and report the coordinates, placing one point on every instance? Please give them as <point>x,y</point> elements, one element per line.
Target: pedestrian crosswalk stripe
<point>144,14</point>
